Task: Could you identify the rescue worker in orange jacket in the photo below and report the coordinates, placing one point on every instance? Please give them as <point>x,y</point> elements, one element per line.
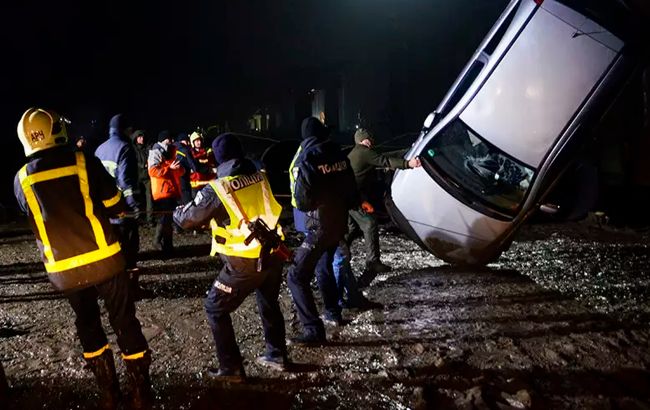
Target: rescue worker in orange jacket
<point>165,172</point>
<point>205,165</point>
<point>69,197</point>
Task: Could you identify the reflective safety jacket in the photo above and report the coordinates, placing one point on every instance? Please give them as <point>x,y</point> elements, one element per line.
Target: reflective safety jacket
<point>165,182</point>
<point>243,193</point>
<point>205,165</point>
<point>246,198</point>
<point>69,197</point>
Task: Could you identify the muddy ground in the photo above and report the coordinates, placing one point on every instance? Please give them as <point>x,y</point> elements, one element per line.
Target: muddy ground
<point>560,322</point>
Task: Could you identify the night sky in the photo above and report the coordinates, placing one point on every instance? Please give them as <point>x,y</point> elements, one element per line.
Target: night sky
<point>182,64</point>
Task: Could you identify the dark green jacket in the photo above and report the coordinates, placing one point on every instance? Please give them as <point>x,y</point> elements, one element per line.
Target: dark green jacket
<point>365,160</point>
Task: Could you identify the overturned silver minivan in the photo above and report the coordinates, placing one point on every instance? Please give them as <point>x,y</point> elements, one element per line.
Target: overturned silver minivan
<point>508,128</point>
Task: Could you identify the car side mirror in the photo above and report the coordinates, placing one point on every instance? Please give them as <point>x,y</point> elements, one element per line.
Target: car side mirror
<point>550,209</point>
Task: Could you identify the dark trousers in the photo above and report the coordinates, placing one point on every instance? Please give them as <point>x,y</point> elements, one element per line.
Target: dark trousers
<point>315,254</point>
<point>121,315</point>
<point>227,294</point>
<point>145,188</point>
<point>164,230</point>
<point>129,235</point>
<point>368,225</point>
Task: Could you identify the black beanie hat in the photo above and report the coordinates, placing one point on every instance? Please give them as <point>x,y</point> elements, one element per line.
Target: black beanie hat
<point>182,137</point>
<point>163,135</point>
<point>312,127</point>
<point>226,147</point>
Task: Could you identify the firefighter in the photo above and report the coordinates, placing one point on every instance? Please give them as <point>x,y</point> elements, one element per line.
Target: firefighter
<point>165,172</point>
<point>69,198</point>
<point>205,167</point>
<point>323,189</point>
<point>241,194</point>
<point>119,158</point>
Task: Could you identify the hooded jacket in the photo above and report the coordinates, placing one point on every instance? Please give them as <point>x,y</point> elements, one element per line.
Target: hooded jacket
<point>119,158</point>
<point>141,155</point>
<point>323,188</point>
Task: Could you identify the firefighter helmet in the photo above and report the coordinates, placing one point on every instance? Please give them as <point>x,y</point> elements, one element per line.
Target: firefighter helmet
<point>41,129</point>
<point>195,136</point>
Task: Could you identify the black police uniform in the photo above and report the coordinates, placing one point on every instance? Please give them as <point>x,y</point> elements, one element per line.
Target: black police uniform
<point>237,279</point>
<point>323,189</point>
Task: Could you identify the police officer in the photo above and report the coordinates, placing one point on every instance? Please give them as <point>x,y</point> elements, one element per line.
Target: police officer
<point>119,158</point>
<point>69,197</point>
<point>322,190</point>
<point>241,194</point>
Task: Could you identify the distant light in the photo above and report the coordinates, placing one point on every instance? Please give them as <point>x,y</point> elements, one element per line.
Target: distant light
<point>357,126</point>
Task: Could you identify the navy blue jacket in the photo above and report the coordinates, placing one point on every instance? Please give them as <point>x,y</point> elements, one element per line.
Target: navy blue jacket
<point>325,188</point>
<point>119,158</point>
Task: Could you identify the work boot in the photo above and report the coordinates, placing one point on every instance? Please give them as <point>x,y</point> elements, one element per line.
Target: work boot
<point>361,303</point>
<point>137,372</point>
<point>280,363</point>
<point>237,375</point>
<point>333,319</point>
<point>307,339</point>
<point>103,367</point>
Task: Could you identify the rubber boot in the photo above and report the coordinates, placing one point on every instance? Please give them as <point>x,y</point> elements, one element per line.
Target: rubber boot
<point>103,367</point>
<point>137,372</point>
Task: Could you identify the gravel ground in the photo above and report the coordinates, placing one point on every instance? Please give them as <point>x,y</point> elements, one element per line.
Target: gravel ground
<point>560,321</point>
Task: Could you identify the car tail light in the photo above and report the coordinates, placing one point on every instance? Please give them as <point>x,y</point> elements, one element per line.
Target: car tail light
<point>538,2</point>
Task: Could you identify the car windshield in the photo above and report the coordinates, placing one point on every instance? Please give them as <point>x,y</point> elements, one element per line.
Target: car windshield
<point>477,171</point>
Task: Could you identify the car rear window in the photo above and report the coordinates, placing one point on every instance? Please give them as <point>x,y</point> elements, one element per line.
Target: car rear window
<point>476,172</point>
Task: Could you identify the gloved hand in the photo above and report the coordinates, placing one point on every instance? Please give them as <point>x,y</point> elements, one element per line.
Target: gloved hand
<point>366,207</point>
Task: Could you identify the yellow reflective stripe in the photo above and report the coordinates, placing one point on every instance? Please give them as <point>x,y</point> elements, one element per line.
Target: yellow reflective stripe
<point>97,352</point>
<point>83,259</point>
<point>100,238</point>
<point>266,191</point>
<point>35,209</point>
<point>51,174</point>
<point>110,202</point>
<point>181,154</point>
<point>134,356</point>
